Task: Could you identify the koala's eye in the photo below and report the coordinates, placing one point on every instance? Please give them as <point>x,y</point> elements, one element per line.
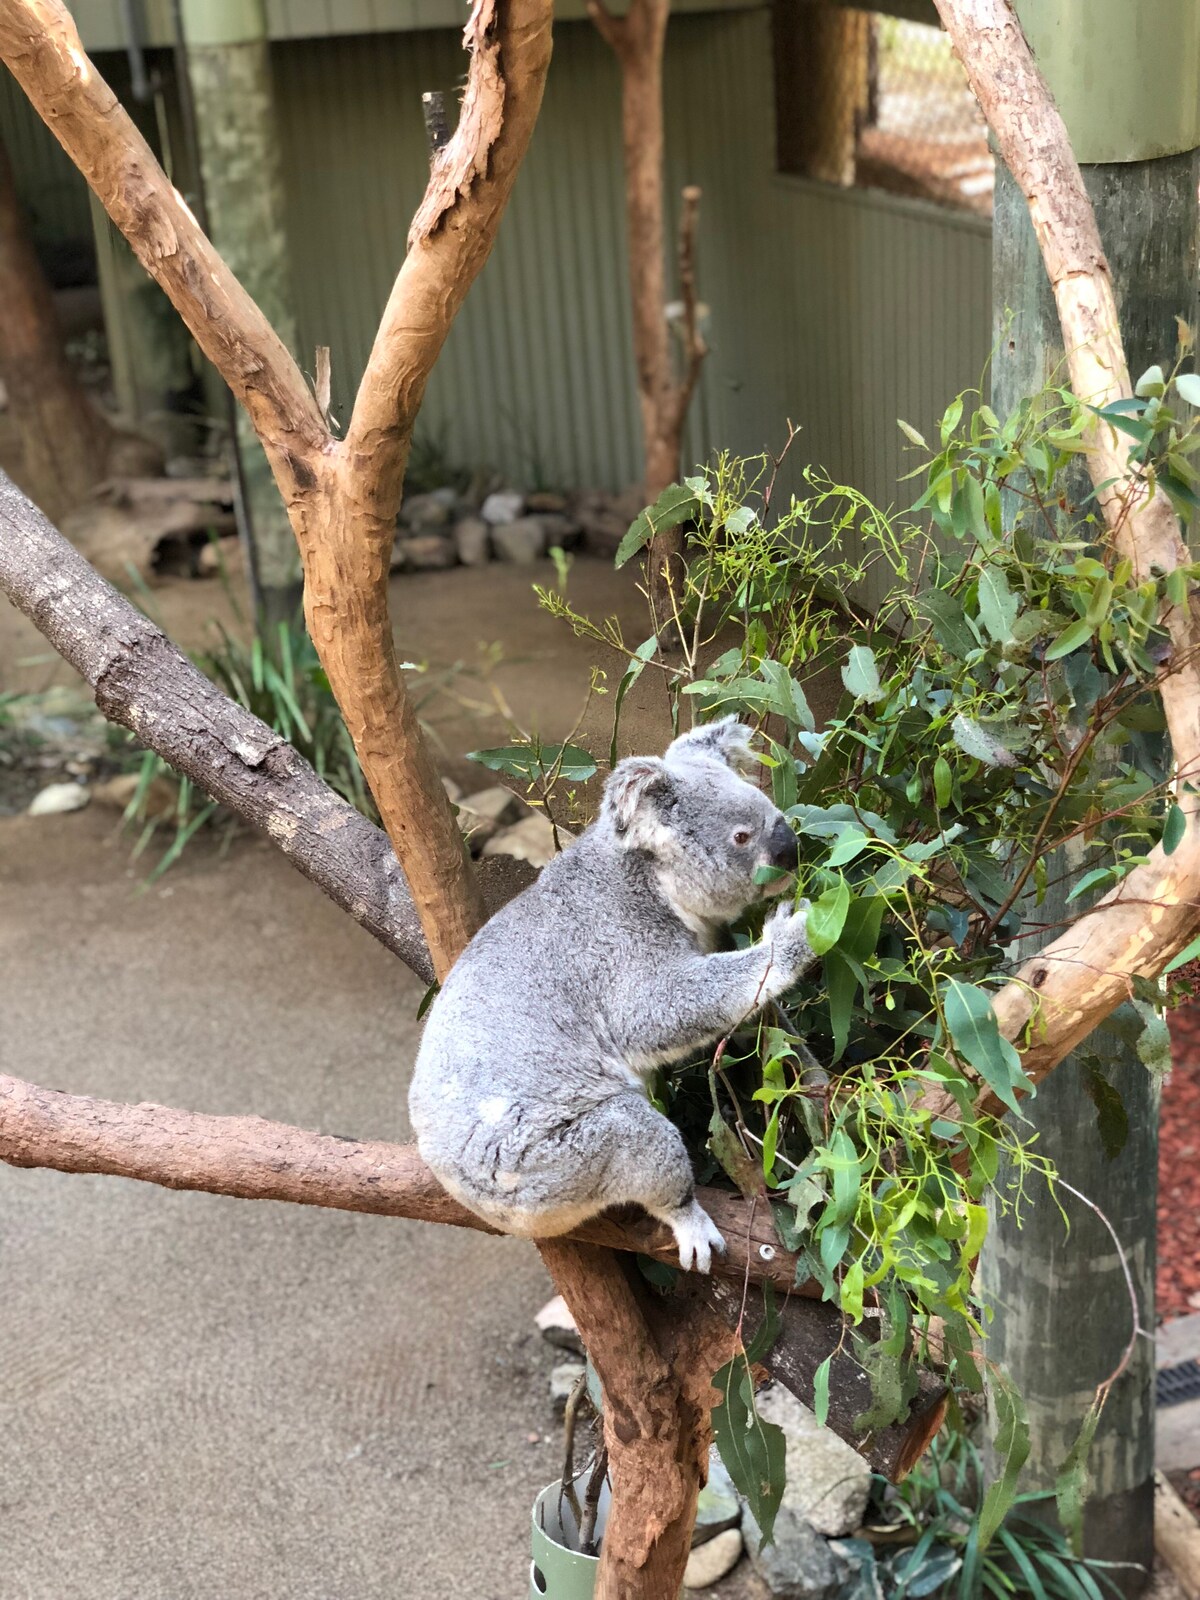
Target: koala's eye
<point>742,836</point>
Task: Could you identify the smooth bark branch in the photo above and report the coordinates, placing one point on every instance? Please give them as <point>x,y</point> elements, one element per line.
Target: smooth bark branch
<point>64,440</point>
<point>1071,985</point>
<point>144,683</point>
<point>253,1159</point>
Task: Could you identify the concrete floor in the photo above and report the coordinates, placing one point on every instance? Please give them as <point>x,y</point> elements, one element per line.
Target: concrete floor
<point>206,1397</point>
<point>203,1397</point>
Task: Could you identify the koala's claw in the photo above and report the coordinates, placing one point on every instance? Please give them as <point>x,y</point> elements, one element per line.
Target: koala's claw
<point>697,1237</point>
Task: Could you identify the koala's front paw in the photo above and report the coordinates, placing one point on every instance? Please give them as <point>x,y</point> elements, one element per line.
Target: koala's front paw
<point>697,1237</point>
<point>786,936</point>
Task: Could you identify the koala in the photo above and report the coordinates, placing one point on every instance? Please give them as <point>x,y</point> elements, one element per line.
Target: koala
<point>529,1098</point>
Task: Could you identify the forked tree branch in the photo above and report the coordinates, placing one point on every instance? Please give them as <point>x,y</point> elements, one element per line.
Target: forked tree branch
<point>342,498</point>
<point>1065,991</point>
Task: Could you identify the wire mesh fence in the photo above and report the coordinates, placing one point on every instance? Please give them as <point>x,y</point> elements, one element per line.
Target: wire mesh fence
<point>871,100</point>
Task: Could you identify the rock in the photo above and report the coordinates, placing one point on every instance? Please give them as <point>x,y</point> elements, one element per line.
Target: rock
<point>827,1482</point>
<point>709,1563</point>
<point>544,500</point>
<point>424,552</point>
<point>492,805</point>
<point>560,530</point>
<point>506,505</point>
<point>531,839</point>
<point>798,1564</point>
<point>522,541</point>
<point>473,541</point>
<point>153,536</point>
<point>563,1379</point>
<point>557,1326</point>
<point>58,797</point>
<point>159,801</point>
<point>218,558</point>
<point>602,532</point>
<point>424,511</point>
<point>718,1507</point>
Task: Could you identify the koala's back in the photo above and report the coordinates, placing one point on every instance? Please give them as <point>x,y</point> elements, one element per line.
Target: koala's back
<point>532,1007</point>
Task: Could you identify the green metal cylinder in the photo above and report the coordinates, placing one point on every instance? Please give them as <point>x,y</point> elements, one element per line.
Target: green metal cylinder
<point>1124,73</point>
<point>556,1571</point>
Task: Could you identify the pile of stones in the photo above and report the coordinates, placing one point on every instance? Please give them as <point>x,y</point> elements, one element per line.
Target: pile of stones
<point>444,528</point>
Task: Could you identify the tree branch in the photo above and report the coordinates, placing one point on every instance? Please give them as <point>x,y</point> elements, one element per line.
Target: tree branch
<point>1059,996</point>
<point>251,1158</point>
<point>144,683</point>
<point>41,48</point>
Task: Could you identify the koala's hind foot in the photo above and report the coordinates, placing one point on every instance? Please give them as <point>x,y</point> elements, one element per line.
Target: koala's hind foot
<point>695,1234</point>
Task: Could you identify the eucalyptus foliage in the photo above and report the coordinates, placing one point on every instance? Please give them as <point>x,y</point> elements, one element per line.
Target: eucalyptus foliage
<point>999,735</point>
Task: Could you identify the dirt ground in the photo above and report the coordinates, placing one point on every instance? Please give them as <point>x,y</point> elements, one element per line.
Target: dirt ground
<point>202,1396</point>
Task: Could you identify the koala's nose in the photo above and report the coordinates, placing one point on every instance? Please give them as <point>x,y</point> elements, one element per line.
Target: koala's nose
<point>782,845</point>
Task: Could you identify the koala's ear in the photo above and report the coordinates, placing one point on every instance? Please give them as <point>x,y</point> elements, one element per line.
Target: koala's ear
<point>636,789</point>
<point>727,740</point>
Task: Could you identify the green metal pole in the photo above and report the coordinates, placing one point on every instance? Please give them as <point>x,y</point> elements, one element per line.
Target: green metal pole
<point>1127,84</point>
<point>229,78</point>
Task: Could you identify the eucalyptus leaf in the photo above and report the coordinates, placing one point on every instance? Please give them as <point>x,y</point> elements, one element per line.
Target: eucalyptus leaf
<point>998,605</point>
<point>827,917</point>
<point>975,1033</point>
<point>675,504</point>
<point>861,675</point>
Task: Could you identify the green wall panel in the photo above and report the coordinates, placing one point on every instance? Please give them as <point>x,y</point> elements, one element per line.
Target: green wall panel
<point>842,310</point>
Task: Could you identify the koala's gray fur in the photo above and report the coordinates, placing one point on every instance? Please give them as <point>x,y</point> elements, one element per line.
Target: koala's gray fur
<point>529,1095</point>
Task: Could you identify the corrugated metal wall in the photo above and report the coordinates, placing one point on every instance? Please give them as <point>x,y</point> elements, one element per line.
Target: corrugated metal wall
<point>839,309</point>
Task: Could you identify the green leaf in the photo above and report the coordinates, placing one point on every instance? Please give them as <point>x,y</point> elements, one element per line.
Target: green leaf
<point>861,675</point>
<point>1150,382</point>
<point>842,984</point>
<point>852,1291</point>
<point>827,917</point>
<point>1097,878</point>
<point>531,761</point>
<point>998,605</point>
<point>673,506</point>
<point>752,1450</point>
<point>1112,1120</point>
<point>1070,1491</point>
<point>1187,385</point>
<point>971,1023</point>
<point>945,616</point>
<point>852,843</point>
<point>821,1391</point>
<point>943,780</point>
<point>1188,953</point>
<point>1012,1450</point>
<point>1070,639</point>
<point>1174,829</point>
